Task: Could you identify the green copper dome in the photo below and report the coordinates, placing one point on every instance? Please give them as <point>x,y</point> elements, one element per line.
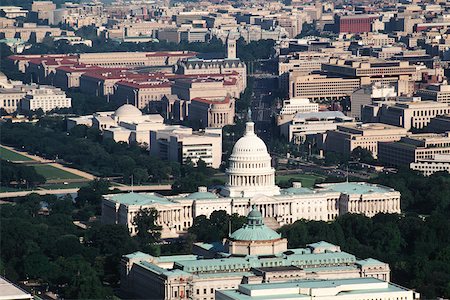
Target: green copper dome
<point>254,230</point>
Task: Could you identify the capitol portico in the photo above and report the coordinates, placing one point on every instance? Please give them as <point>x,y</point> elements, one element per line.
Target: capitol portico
<point>251,182</point>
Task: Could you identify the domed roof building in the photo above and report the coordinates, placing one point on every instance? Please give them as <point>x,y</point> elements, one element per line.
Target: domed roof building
<point>127,112</point>
<point>255,238</point>
<point>250,170</point>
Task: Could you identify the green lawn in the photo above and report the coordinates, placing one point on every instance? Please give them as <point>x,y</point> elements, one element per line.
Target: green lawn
<point>307,180</point>
<point>7,154</point>
<point>52,173</point>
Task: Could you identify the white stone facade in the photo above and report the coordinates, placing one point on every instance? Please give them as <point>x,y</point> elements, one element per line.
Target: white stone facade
<point>251,181</point>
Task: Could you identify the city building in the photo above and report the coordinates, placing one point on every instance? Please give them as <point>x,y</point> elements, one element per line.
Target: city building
<point>182,144</point>
<point>212,113</point>
<point>197,66</point>
<point>293,106</point>
<point>251,180</point>
<point>354,23</point>
<point>304,125</point>
<point>354,288</point>
<point>320,87</point>
<point>348,137</point>
<point>367,95</point>
<point>17,96</point>
<point>374,70</point>
<point>439,124</point>
<point>429,166</point>
<point>406,112</point>
<point>46,98</point>
<point>253,254</point>
<point>435,92</point>
<point>427,152</point>
<point>10,291</point>
<point>126,124</point>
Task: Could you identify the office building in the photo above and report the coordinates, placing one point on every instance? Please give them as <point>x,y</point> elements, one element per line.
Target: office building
<point>320,87</point>
<point>370,71</point>
<point>46,98</point>
<point>354,23</point>
<point>367,95</point>
<point>348,137</point>
<point>212,113</point>
<point>421,151</point>
<point>182,144</point>
<point>304,125</point>
<point>406,112</point>
<point>435,92</point>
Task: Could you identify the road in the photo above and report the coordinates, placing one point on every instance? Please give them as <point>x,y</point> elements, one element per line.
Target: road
<point>140,188</point>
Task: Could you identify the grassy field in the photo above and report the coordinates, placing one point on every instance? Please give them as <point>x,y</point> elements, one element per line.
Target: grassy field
<point>307,180</point>
<point>70,185</point>
<point>7,154</point>
<point>52,173</point>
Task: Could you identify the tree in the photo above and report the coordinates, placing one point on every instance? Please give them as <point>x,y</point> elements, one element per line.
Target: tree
<point>363,155</point>
<point>148,232</point>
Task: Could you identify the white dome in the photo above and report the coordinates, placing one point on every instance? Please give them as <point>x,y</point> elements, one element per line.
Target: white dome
<point>250,171</point>
<point>250,145</point>
<point>127,111</point>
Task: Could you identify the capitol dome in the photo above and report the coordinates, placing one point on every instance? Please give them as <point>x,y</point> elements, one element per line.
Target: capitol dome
<point>127,111</point>
<point>250,171</point>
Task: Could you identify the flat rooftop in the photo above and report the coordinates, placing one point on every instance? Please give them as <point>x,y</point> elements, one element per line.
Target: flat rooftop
<point>356,188</point>
<point>139,199</point>
<point>317,289</point>
<point>11,292</point>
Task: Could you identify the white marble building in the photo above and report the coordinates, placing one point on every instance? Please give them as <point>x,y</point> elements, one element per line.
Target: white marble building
<point>251,181</point>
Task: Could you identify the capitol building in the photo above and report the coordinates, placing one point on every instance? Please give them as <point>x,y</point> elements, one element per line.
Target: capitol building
<point>251,182</point>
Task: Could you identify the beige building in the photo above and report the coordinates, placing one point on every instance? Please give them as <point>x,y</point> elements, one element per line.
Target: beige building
<point>422,151</point>
<point>179,143</point>
<point>142,93</point>
<point>212,113</point>
<point>367,136</point>
<point>406,112</point>
<point>320,87</point>
<point>46,98</point>
<point>302,63</point>
<point>43,9</point>
<point>30,32</point>
<point>366,95</point>
<point>206,88</point>
<point>375,70</point>
<point>438,93</point>
<point>293,106</point>
<point>429,166</point>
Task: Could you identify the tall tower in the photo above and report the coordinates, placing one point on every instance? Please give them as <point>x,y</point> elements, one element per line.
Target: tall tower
<point>231,48</point>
